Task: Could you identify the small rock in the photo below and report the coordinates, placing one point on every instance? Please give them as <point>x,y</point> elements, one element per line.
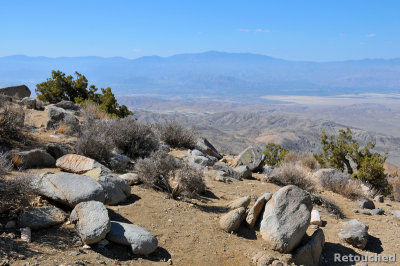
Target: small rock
<point>316,218</point>
<point>365,212</point>
<point>170,262</point>
<point>378,211</point>
<point>232,220</point>
<point>243,171</point>
<point>38,218</point>
<point>240,202</point>
<point>11,225</point>
<point>258,206</point>
<point>26,234</point>
<point>310,253</point>
<point>379,198</point>
<point>355,233</point>
<point>131,178</point>
<point>366,204</point>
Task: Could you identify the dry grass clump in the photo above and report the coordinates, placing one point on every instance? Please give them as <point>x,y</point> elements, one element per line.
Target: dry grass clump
<point>305,159</point>
<point>11,121</point>
<point>328,204</point>
<point>161,169</point>
<point>135,139</point>
<point>341,183</point>
<point>396,188</point>
<point>176,135</point>
<point>292,174</point>
<point>91,112</point>
<point>156,170</point>
<point>95,142</point>
<point>190,181</point>
<point>15,192</point>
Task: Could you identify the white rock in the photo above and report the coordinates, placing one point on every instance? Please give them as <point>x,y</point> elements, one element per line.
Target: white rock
<point>316,218</point>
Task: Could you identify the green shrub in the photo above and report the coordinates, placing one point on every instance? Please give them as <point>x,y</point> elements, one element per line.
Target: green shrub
<point>274,154</point>
<point>61,87</point>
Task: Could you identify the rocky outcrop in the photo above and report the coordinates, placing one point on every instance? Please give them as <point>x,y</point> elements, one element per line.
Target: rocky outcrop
<point>92,221</point>
<point>43,217</point>
<point>286,218</point>
<point>20,91</point>
<point>70,189</point>
<point>251,157</point>
<point>141,241</point>
<point>58,116</point>
<point>355,233</point>
<point>204,145</point>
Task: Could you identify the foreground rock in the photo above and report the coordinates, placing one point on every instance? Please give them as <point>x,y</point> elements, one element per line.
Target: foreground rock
<point>20,91</point>
<point>58,116</point>
<point>251,157</point>
<point>243,171</point>
<point>366,204</point>
<point>286,218</point>
<point>229,171</point>
<point>39,218</point>
<point>240,202</point>
<point>258,206</point>
<point>116,189</point>
<point>310,253</point>
<point>92,221</point>
<point>232,220</point>
<point>204,145</point>
<point>70,189</point>
<point>131,178</point>
<point>77,164</point>
<point>355,233</point>
<point>33,159</point>
<point>58,150</point>
<point>141,241</point>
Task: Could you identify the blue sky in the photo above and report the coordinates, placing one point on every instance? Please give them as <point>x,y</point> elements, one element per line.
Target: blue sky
<point>322,30</point>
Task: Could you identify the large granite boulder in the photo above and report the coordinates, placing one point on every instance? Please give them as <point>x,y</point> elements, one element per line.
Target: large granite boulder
<point>20,91</point>
<point>310,253</point>
<point>43,217</point>
<point>33,159</point>
<point>286,218</point>
<point>131,178</point>
<point>252,157</point>
<point>117,189</point>
<point>92,221</point>
<point>141,241</point>
<point>70,189</point>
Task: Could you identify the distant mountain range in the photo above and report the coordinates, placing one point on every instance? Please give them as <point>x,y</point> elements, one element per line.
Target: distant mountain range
<point>211,74</point>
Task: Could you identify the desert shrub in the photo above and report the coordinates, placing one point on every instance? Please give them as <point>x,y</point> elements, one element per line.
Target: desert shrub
<point>176,135</point>
<point>190,181</point>
<point>135,139</point>
<point>396,188</point>
<point>328,204</point>
<point>61,87</point>
<point>11,121</point>
<point>304,159</point>
<point>15,192</point>
<point>292,174</point>
<point>94,141</point>
<point>274,154</point>
<point>155,170</point>
<point>341,183</point>
<point>91,112</point>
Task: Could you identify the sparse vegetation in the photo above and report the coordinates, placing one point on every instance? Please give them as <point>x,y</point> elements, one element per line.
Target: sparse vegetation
<point>176,135</point>
<point>11,121</point>
<point>94,141</point>
<point>292,174</point>
<point>304,159</point>
<point>396,188</point>
<point>341,183</point>
<point>62,87</point>
<point>339,152</point>
<point>15,192</point>
<point>190,181</point>
<point>156,170</point>
<point>135,139</point>
<point>328,204</point>
<point>274,154</point>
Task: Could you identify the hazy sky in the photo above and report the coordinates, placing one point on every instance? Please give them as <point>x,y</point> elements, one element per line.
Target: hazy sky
<point>298,30</point>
